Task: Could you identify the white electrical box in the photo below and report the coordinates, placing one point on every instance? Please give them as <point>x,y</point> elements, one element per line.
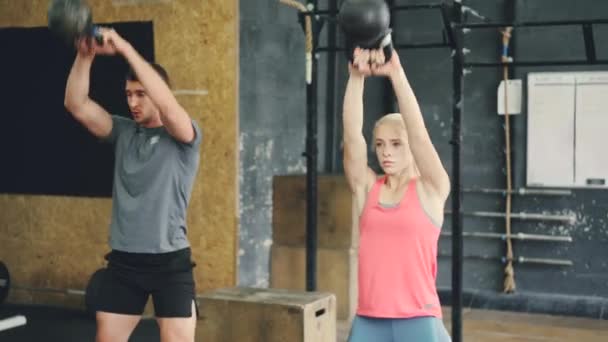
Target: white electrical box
<point>513,96</point>
<point>567,129</point>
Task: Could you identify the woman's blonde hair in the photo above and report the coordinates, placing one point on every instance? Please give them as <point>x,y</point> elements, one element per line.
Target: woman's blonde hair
<point>394,119</point>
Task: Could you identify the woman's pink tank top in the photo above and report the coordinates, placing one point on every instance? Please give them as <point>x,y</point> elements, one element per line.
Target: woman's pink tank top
<point>397,258</point>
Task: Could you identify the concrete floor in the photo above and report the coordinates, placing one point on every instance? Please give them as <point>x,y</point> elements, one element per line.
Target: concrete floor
<point>54,324</point>
<point>500,326</point>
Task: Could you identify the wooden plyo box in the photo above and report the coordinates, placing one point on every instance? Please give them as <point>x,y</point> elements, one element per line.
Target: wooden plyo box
<point>337,240</point>
<point>336,225</point>
<point>336,273</point>
<point>270,315</point>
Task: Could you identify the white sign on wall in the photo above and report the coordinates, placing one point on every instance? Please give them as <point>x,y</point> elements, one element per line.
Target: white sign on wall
<point>567,129</point>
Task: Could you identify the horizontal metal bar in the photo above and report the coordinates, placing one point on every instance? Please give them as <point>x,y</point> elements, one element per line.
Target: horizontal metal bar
<point>532,23</point>
<point>520,216</point>
<point>50,290</point>
<point>417,7</point>
<point>521,259</point>
<point>12,322</point>
<point>557,262</point>
<point>422,46</point>
<point>75,292</point>
<point>329,49</point>
<point>397,46</point>
<point>392,8</point>
<point>520,191</point>
<point>518,236</point>
<point>535,63</point>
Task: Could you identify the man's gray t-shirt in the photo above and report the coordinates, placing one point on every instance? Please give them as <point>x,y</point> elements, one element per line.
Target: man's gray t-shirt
<point>153,179</point>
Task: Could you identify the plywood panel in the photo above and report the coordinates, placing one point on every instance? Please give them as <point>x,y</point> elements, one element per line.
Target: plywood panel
<point>336,273</point>
<point>336,225</point>
<point>198,44</point>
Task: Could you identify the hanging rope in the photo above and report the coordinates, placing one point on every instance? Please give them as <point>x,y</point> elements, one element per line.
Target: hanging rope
<point>509,282</point>
<point>308,31</point>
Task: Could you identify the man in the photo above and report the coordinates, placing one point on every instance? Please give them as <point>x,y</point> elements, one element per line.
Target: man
<point>156,160</point>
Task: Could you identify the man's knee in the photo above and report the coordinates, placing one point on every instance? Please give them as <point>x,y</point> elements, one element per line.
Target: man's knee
<point>177,330</point>
<point>115,327</point>
<point>111,335</point>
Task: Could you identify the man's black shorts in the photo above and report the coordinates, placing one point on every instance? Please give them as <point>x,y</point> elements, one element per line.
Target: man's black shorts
<point>131,277</point>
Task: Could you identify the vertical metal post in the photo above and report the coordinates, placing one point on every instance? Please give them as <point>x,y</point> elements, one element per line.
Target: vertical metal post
<point>311,163</point>
<point>457,110</point>
<point>331,132</point>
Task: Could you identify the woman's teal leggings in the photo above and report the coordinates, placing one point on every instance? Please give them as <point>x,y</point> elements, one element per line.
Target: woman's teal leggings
<point>418,329</point>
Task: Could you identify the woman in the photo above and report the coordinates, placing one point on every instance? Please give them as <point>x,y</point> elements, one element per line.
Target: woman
<point>400,213</point>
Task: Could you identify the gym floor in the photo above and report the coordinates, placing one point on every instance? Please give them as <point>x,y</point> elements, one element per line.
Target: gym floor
<point>502,326</point>
<point>66,325</point>
<point>51,324</point>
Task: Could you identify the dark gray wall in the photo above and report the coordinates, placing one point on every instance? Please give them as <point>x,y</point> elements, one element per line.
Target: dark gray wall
<point>272,123</point>
<point>484,166</point>
<point>272,114</point>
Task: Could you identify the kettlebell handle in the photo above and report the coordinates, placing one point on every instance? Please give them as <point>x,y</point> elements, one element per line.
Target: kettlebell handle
<point>386,44</point>
<point>95,33</point>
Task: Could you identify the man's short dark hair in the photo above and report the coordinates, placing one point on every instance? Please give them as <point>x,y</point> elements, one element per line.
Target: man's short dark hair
<point>131,76</point>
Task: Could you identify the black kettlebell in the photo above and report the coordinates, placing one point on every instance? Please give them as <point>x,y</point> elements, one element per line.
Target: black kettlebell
<point>366,24</point>
<point>71,20</point>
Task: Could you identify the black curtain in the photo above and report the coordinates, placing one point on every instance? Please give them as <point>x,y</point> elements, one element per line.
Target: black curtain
<point>43,150</point>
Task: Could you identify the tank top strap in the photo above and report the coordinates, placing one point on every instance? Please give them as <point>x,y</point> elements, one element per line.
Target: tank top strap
<point>411,194</point>
<point>374,193</point>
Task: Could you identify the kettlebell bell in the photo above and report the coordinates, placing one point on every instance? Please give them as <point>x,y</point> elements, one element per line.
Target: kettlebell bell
<point>366,24</point>
<point>72,19</point>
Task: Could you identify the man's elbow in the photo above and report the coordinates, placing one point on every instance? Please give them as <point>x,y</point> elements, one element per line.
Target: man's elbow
<point>67,102</point>
<point>183,131</point>
<point>74,106</point>
<point>71,103</point>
